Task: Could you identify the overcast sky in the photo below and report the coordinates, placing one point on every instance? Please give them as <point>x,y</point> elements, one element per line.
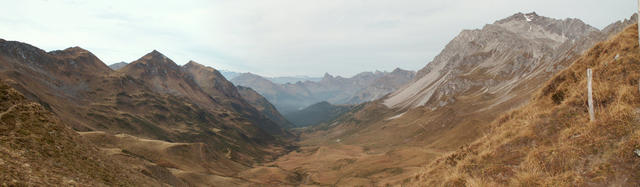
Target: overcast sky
<point>277,37</point>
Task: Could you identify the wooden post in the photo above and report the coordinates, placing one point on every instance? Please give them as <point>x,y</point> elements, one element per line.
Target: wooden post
<point>592,116</point>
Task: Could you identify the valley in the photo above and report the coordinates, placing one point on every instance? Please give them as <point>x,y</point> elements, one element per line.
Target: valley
<point>500,105</point>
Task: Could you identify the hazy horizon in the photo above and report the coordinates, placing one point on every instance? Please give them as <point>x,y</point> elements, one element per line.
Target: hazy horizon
<point>277,38</point>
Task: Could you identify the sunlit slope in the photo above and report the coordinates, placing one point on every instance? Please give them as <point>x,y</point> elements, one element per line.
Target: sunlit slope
<point>550,141</point>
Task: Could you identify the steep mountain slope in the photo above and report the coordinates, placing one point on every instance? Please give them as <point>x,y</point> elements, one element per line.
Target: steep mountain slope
<point>117,66</point>
<point>265,107</point>
<point>160,103</point>
<point>37,150</point>
<point>291,97</point>
<point>450,103</point>
<point>550,141</point>
<point>479,75</point>
<point>202,85</point>
<point>165,76</point>
<point>317,113</point>
<point>519,48</point>
<point>225,93</point>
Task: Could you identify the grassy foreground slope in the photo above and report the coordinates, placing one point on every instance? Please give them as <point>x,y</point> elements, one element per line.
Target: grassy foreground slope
<point>550,141</point>
<point>37,150</point>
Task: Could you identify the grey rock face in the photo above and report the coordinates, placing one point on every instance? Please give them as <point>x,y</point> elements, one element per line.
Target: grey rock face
<point>513,52</point>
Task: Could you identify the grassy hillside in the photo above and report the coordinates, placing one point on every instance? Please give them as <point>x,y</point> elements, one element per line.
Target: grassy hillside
<point>37,150</point>
<point>550,141</point>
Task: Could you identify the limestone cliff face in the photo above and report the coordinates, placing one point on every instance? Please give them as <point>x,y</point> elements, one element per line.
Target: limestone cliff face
<point>517,51</point>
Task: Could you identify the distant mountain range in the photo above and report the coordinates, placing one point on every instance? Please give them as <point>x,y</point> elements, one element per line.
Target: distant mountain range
<point>278,80</point>
<point>291,97</point>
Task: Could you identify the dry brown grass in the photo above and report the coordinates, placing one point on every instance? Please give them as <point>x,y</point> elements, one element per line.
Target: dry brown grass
<point>550,141</point>
<point>36,149</point>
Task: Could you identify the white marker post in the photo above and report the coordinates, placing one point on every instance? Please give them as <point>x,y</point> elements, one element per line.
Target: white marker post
<point>592,116</point>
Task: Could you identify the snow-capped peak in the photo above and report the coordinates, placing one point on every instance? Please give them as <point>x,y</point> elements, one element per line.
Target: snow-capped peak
<point>528,17</point>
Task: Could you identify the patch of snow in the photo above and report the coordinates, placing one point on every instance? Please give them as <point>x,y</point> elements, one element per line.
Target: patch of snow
<point>528,18</point>
<point>396,116</point>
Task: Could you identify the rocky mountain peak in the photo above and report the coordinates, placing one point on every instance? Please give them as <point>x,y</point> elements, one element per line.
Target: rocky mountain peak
<point>535,26</point>
<point>509,49</point>
<point>117,66</point>
<point>20,50</point>
<point>620,25</point>
<point>156,53</point>
<point>72,52</point>
<point>327,76</point>
<point>528,17</point>
<point>156,59</point>
<point>154,64</point>
<point>79,59</point>
<point>76,49</point>
<point>365,74</point>
<point>399,71</point>
<point>251,75</point>
<point>193,63</point>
